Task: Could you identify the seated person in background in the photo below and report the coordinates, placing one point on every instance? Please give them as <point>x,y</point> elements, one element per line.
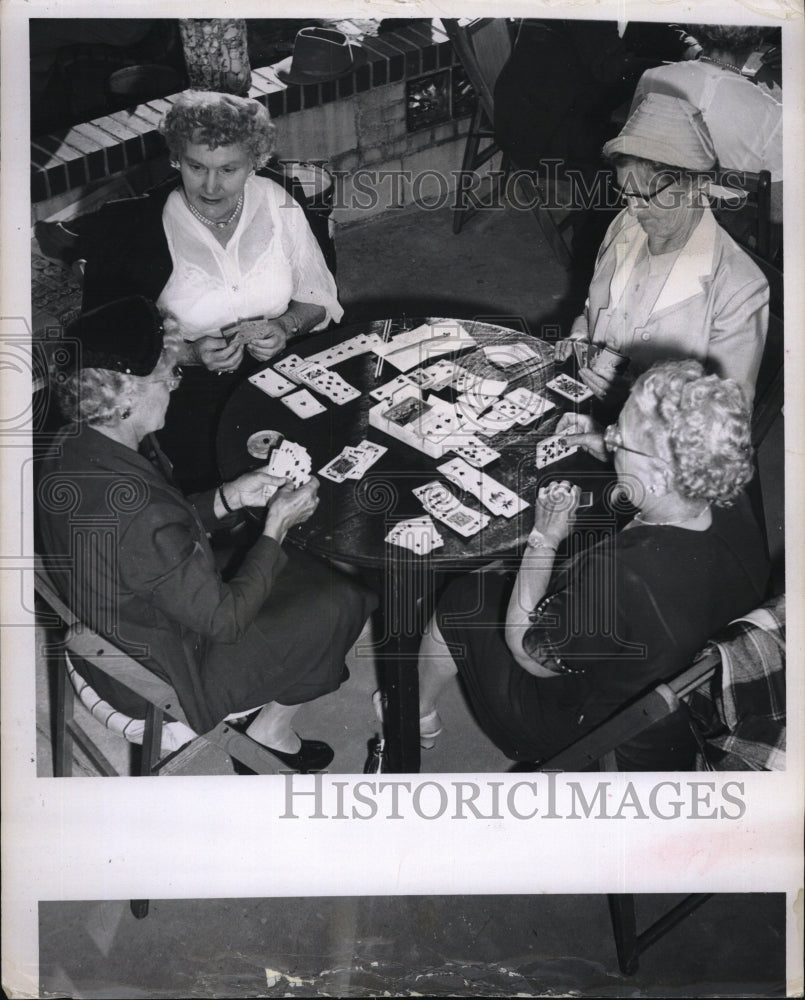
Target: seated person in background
<point>275,635</point>
<point>744,119</point>
<point>669,282</point>
<point>548,655</point>
<point>223,245</point>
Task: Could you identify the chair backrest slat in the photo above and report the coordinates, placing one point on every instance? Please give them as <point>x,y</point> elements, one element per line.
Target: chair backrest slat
<point>483,46</point>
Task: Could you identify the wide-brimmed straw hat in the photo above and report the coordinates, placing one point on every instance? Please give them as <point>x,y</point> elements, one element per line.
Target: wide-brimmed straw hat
<point>125,336</point>
<point>669,130</point>
<point>320,54</point>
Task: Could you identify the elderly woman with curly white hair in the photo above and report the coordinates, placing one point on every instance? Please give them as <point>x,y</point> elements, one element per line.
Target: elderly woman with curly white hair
<point>130,554</point>
<point>577,641</point>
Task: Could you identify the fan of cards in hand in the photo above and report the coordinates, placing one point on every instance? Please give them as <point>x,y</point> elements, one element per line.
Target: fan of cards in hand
<point>286,459</point>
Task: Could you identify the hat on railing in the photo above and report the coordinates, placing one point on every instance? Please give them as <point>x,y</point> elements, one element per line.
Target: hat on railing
<point>668,130</point>
<point>122,336</point>
<point>320,54</point>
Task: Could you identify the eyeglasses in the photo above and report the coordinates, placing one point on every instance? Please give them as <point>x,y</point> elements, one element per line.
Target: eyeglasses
<point>639,199</point>
<point>173,379</point>
<point>613,441</point>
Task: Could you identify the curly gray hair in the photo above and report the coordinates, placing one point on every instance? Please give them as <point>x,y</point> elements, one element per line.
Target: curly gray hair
<point>701,424</point>
<point>213,120</point>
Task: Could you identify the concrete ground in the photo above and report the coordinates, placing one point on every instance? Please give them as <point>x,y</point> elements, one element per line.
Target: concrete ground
<point>405,946</point>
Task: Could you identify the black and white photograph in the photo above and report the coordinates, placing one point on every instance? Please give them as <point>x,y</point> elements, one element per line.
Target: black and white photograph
<point>400,414</point>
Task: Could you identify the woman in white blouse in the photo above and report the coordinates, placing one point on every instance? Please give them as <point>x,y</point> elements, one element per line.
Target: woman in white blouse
<point>241,246</point>
<point>223,246</point>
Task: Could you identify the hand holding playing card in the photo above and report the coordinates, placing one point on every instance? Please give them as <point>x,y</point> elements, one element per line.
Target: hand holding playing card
<point>273,338</point>
<point>254,489</point>
<point>555,509</point>
<point>562,350</point>
<point>290,507</point>
<point>217,355</point>
<point>581,431</point>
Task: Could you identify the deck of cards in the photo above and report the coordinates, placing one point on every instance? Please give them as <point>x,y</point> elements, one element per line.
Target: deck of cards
<point>352,462</point>
<point>418,534</point>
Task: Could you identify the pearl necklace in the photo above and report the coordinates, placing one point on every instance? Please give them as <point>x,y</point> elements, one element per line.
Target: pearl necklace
<point>210,222</point>
<point>722,64</point>
<point>669,524</point>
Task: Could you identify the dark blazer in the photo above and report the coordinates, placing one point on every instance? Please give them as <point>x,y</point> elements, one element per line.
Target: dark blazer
<point>139,567</point>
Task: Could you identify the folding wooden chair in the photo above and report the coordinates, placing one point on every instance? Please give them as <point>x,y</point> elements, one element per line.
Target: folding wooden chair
<point>160,696</point>
<point>483,46</point>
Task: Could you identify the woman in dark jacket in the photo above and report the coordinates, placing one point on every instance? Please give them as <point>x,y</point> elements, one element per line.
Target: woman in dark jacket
<point>130,553</point>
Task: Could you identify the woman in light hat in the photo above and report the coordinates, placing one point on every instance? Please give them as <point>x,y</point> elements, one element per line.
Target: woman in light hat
<point>669,282</point>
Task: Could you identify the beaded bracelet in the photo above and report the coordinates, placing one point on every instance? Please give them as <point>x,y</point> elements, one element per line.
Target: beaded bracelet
<point>227,508</point>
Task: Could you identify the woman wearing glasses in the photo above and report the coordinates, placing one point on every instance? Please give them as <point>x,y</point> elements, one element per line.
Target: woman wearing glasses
<point>668,281</point>
<point>133,560</point>
<point>581,639</point>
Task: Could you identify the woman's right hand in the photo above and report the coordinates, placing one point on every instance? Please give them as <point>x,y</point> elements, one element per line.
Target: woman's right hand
<point>580,429</point>
<point>216,355</point>
<point>289,507</point>
<point>555,509</point>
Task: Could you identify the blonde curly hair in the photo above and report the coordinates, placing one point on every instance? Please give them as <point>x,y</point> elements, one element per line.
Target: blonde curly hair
<point>701,425</point>
<point>212,119</point>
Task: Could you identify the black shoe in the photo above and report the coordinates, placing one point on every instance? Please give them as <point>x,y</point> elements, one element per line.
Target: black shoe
<point>313,755</point>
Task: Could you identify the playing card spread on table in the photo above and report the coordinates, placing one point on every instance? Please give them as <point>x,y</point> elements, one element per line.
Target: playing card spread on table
<point>447,508</point>
<point>437,375</point>
<point>568,387</point>
<point>407,410</point>
<point>492,494</point>
<point>390,389</point>
<point>480,414</point>
<point>531,404</point>
<point>351,348</point>
<point>330,384</point>
<point>551,449</point>
<point>418,534</point>
<point>352,462</point>
<point>288,365</point>
<point>303,403</point>
<point>441,422</point>
<point>271,382</point>
<point>474,451</point>
<point>292,461</point>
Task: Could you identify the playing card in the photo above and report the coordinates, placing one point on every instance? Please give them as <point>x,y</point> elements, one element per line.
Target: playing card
<point>551,449</point>
<point>331,385</point>
<point>288,365</point>
<point>531,404</point>
<point>584,352</point>
<point>447,508</point>
<point>303,403</point>
<point>474,451</point>
<point>368,453</point>
<point>271,382</point>
<point>418,534</point>
<point>391,388</point>
<point>568,387</point>
<point>338,468</point>
<point>260,443</point>
<point>291,461</point>
<point>492,494</point>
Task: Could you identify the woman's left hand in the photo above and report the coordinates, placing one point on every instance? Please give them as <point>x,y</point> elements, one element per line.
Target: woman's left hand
<point>253,489</point>
<point>555,509</point>
<point>272,340</point>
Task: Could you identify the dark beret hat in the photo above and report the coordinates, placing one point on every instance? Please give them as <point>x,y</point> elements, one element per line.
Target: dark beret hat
<point>122,336</point>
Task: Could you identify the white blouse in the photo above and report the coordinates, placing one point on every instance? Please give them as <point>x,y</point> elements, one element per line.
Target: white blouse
<point>270,259</point>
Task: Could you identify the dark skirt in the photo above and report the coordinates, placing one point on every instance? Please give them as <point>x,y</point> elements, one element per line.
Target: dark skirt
<point>532,718</point>
<point>294,650</point>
